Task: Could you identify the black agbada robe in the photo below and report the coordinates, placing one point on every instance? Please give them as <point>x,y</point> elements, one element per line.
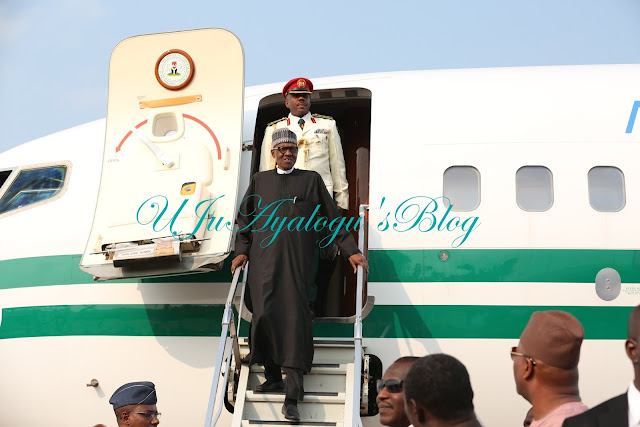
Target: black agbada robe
<point>280,272</point>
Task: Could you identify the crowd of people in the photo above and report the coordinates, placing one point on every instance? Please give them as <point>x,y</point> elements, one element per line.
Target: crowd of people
<point>435,390</point>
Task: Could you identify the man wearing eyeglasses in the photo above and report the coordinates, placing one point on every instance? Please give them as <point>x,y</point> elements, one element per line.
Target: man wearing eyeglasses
<point>623,410</point>
<point>281,333</point>
<point>545,367</point>
<point>390,397</point>
<point>135,404</point>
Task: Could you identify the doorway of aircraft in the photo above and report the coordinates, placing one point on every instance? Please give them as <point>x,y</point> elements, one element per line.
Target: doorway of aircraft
<point>351,109</point>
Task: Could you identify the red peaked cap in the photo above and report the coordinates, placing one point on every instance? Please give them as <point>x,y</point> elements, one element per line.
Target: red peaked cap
<point>297,85</point>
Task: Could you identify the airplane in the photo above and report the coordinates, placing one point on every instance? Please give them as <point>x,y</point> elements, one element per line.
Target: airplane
<point>491,194</point>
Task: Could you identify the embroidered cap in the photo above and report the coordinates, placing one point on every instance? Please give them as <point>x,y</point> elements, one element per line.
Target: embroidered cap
<point>553,337</point>
<point>136,393</point>
<point>297,85</point>
<point>283,135</point>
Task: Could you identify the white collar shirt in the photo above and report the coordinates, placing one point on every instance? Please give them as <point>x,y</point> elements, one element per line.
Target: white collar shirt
<point>283,172</point>
<point>633,398</point>
<point>295,119</point>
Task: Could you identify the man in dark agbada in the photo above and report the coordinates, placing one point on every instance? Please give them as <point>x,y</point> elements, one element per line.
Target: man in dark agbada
<point>281,272</point>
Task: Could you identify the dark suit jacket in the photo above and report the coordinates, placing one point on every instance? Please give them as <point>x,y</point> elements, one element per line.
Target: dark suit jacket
<point>612,413</point>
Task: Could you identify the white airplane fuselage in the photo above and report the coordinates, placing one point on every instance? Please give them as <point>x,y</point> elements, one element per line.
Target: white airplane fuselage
<point>463,282</point>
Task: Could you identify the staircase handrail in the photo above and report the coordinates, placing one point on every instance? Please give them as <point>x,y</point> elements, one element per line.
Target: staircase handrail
<point>227,318</point>
<point>357,327</point>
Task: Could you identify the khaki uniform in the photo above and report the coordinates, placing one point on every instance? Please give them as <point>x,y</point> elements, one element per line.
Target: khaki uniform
<point>319,149</point>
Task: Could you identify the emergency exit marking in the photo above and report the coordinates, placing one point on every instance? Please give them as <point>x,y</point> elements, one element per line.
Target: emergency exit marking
<point>632,117</point>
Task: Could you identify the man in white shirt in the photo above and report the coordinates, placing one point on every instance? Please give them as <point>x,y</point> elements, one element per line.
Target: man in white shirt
<point>623,410</point>
<point>320,148</point>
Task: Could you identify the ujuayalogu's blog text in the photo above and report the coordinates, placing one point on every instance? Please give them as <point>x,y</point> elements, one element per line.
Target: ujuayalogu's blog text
<point>417,213</point>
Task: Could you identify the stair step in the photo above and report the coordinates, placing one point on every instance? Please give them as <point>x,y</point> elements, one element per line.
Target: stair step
<point>322,397</point>
<point>324,368</point>
<point>260,423</point>
<point>313,383</point>
<point>309,411</point>
<point>323,353</point>
<point>333,343</point>
<point>244,341</point>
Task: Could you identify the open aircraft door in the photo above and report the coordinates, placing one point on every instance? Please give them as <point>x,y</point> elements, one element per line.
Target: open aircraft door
<point>169,184</point>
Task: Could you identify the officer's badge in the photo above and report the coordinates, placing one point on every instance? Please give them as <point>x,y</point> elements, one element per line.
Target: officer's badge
<point>302,83</point>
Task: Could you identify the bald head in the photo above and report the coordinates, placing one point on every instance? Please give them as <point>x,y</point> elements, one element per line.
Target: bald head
<point>405,360</point>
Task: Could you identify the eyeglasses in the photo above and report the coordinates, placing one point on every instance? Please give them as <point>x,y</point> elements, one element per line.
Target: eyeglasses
<point>149,415</point>
<point>283,150</point>
<point>514,353</point>
<point>393,386</point>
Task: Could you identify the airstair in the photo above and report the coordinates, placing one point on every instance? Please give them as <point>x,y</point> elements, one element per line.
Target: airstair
<point>328,391</point>
<point>334,395</point>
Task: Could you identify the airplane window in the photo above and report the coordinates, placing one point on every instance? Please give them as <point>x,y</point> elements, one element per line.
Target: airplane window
<point>534,188</point>
<point>32,186</point>
<point>3,177</point>
<point>461,186</point>
<point>606,189</point>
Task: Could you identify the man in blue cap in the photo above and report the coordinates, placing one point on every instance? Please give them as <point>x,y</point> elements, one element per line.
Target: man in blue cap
<point>135,404</point>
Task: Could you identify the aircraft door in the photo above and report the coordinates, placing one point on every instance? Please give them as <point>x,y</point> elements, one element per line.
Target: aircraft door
<point>169,184</point>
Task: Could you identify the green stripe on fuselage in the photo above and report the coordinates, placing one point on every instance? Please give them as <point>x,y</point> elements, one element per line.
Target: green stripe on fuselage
<point>385,321</point>
<point>502,265</point>
<point>414,265</point>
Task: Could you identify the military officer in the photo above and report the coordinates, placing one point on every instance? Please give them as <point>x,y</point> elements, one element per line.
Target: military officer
<point>135,404</point>
<point>319,143</point>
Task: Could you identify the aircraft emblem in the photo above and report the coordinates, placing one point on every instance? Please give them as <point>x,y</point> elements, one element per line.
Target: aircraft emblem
<point>174,69</point>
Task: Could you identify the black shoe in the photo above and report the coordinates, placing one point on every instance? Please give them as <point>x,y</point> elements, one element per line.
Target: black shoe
<point>291,413</point>
<point>245,360</point>
<point>269,386</point>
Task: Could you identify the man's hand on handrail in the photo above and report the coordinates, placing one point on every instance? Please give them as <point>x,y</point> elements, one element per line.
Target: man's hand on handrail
<point>358,260</point>
<point>239,261</point>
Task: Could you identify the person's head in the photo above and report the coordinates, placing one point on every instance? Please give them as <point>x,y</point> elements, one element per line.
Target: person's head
<point>548,353</point>
<point>284,148</point>
<point>297,95</point>
<point>135,404</point>
<point>437,387</point>
<point>633,340</point>
<point>390,398</point>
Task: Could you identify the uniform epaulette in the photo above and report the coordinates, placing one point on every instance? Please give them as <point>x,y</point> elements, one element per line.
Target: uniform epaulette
<point>276,121</point>
<point>322,116</point>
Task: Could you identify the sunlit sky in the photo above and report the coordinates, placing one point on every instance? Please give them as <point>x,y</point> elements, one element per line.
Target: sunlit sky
<point>55,54</point>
